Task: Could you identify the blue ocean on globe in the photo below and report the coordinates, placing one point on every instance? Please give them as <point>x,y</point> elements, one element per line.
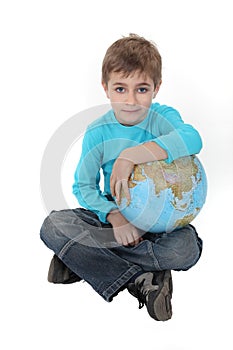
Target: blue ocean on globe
<point>165,196</point>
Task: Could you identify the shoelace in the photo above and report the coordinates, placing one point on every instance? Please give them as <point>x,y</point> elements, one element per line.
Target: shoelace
<point>143,289</point>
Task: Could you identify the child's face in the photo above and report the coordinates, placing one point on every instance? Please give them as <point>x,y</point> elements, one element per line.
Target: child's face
<point>130,97</point>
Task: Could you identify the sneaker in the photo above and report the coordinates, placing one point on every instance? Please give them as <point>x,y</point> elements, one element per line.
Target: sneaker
<point>60,273</point>
<point>155,291</point>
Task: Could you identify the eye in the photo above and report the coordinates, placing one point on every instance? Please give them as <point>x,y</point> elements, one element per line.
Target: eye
<point>120,89</point>
<point>142,90</point>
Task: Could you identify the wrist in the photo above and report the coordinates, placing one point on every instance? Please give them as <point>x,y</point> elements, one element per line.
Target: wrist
<point>115,218</point>
<point>128,154</point>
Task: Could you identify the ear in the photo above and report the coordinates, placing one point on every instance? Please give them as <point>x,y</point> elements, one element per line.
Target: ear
<point>156,90</point>
<point>105,86</point>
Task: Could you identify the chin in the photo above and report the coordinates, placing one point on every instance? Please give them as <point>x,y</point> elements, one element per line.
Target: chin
<point>131,118</point>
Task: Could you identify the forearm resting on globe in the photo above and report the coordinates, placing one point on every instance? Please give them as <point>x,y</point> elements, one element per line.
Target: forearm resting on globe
<point>147,152</point>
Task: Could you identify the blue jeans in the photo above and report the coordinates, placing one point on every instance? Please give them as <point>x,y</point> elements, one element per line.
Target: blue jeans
<point>87,246</point>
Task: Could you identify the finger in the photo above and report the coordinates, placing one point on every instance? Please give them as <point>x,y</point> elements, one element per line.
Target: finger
<point>118,239</point>
<point>112,186</point>
<point>136,238</point>
<point>118,190</point>
<point>123,241</point>
<point>133,243</point>
<point>121,238</point>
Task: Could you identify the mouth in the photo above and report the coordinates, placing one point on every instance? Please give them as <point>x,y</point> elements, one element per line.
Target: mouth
<point>131,110</point>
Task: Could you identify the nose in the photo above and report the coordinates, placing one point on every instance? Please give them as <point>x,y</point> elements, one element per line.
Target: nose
<point>131,98</point>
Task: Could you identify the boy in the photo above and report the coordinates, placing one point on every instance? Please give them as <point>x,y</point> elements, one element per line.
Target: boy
<point>96,243</point>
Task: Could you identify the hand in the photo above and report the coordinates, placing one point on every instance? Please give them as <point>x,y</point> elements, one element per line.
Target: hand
<point>121,172</point>
<point>124,232</point>
<point>126,235</point>
<point>124,165</point>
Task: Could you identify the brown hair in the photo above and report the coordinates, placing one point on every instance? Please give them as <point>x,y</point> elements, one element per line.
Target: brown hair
<point>130,54</point>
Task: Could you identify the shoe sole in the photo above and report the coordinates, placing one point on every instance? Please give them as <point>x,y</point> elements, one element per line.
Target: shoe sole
<point>159,302</point>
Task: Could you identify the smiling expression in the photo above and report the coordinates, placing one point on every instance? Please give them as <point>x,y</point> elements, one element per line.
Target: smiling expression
<point>130,96</point>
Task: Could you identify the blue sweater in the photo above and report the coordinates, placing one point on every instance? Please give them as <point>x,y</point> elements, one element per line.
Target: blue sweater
<point>106,138</point>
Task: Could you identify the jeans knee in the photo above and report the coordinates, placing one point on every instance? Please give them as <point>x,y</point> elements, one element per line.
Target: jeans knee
<point>49,229</point>
<point>190,249</point>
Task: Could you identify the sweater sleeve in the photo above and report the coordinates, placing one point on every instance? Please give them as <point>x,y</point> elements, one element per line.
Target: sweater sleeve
<point>174,136</point>
<point>86,187</point>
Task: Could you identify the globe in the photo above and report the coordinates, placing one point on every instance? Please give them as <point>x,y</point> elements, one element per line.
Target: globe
<point>165,196</point>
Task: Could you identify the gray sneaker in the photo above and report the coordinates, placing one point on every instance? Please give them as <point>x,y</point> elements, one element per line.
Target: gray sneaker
<point>155,291</point>
<point>60,273</point>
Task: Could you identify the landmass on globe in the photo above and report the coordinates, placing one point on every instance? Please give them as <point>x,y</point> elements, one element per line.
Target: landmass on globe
<point>164,195</point>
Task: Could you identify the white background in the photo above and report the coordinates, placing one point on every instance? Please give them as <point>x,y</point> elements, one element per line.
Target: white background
<point>51,55</point>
